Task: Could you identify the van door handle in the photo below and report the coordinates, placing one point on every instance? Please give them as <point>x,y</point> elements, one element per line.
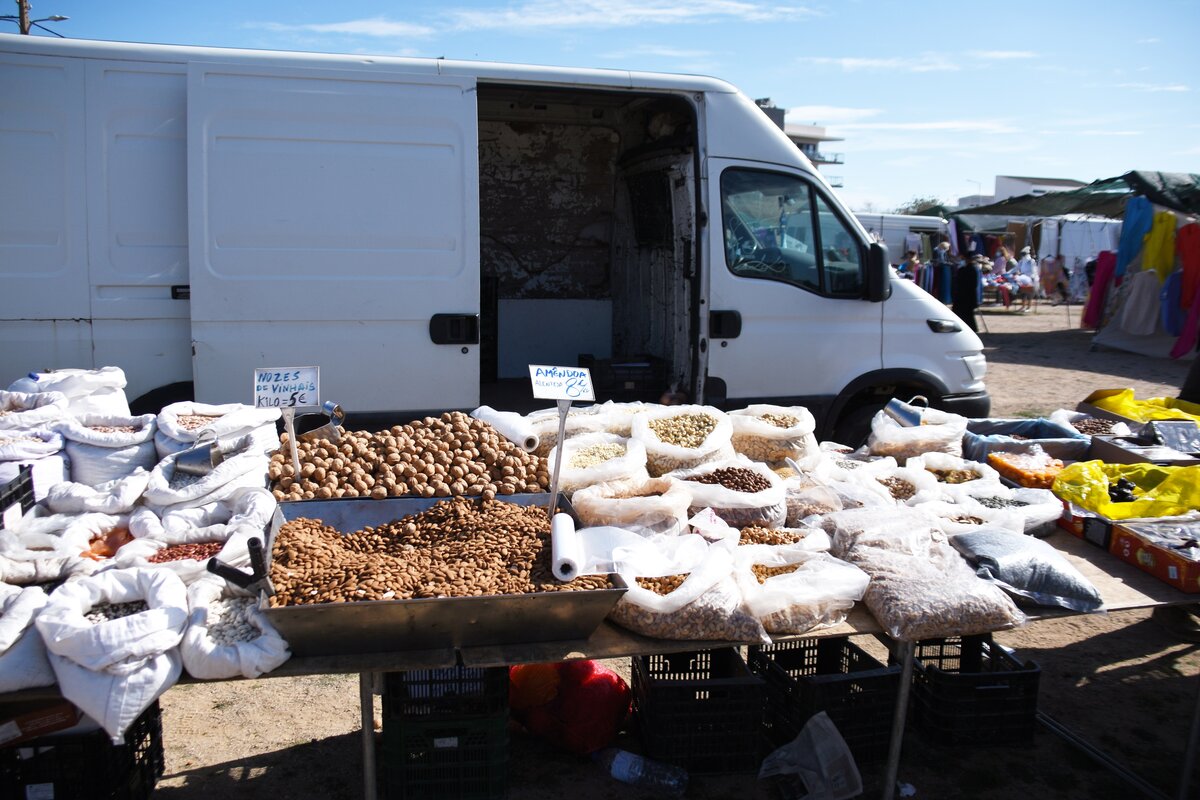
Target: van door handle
<point>724,324</point>
<point>454,328</point>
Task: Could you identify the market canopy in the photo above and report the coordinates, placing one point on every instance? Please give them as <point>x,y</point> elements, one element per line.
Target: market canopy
<point>1179,191</point>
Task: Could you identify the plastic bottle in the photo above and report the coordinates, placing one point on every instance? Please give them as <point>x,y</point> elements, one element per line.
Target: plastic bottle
<point>637,770</point>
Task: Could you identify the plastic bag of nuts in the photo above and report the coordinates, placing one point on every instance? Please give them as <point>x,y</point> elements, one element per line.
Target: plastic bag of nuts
<point>806,496</point>
<point>651,505</point>
<point>596,458</point>
<point>740,491</point>
<point>705,604</point>
<point>939,432</point>
<point>773,434</point>
<point>587,419</point>
<point>683,437</point>
<point>793,590</point>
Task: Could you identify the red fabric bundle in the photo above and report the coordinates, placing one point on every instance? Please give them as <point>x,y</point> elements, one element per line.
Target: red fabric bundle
<point>577,705</point>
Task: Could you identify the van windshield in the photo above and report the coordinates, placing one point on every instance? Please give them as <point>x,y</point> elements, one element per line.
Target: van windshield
<point>778,227</point>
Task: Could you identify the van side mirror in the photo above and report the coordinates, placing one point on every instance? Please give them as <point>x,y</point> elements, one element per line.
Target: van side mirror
<point>878,283</point>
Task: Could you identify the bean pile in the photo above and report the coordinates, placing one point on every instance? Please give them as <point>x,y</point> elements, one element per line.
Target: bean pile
<point>445,456</point>
<point>780,420</point>
<point>177,552</point>
<point>1093,425</point>
<point>772,536</point>
<point>106,612</point>
<point>596,454</point>
<point>115,428</point>
<point>229,621</point>
<point>194,422</point>
<point>457,548</point>
<point>7,440</point>
<point>738,479</point>
<point>763,572</point>
<point>900,489</point>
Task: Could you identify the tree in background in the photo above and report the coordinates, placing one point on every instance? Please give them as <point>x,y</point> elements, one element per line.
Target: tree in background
<point>920,205</point>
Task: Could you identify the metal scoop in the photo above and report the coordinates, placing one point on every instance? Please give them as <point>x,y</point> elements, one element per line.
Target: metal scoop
<point>207,453</point>
<point>331,430</point>
<point>907,414</point>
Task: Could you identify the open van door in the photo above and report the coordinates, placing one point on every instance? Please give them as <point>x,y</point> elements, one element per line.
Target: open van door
<point>334,222</point>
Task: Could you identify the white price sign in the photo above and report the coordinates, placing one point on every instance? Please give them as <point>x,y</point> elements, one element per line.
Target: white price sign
<point>561,383</point>
<point>291,387</point>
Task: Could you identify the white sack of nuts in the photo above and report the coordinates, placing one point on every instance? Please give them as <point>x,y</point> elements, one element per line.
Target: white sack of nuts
<point>227,635</point>
<point>792,589</point>
<point>649,506</point>
<point>23,662</point>
<point>955,472</point>
<point>171,490</point>
<point>25,444</point>
<point>579,421</point>
<point>939,432</point>
<point>112,666</point>
<point>35,552</point>
<point>773,434</point>
<point>205,523</point>
<point>88,391</point>
<point>23,411</point>
<point>180,424</point>
<point>117,496</point>
<point>618,417</point>
<point>593,458</point>
<point>968,514</point>
<point>683,437</point>
<point>104,447</point>
<point>740,491</point>
<point>705,604</point>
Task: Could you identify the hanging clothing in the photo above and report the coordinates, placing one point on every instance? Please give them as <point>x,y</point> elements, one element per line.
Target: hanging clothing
<point>1187,244</point>
<point>1160,245</point>
<point>1106,266</point>
<point>1170,298</point>
<point>1048,244</point>
<point>1139,215</point>
<point>966,291</point>
<point>952,229</point>
<point>926,250</point>
<point>912,241</point>
<point>1139,315</point>
<point>1187,339</point>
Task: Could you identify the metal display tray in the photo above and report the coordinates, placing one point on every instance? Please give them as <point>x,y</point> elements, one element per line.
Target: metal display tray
<point>372,626</point>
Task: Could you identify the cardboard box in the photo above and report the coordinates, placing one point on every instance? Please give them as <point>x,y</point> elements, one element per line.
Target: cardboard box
<point>29,720</point>
<point>1167,549</point>
<point>1130,450</point>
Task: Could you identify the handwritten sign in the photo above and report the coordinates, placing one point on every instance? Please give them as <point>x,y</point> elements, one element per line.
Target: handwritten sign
<point>293,387</point>
<point>561,383</point>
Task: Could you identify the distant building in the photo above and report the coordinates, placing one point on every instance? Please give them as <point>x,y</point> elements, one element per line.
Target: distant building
<point>807,137</point>
<point>1014,186</point>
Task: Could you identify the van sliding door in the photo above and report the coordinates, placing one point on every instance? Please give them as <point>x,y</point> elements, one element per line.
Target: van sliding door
<point>334,221</point>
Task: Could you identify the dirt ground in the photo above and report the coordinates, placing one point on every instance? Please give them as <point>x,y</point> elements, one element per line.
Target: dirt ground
<point>1119,680</point>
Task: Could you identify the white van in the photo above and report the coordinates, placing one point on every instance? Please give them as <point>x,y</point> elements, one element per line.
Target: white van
<point>902,232</point>
<point>423,229</point>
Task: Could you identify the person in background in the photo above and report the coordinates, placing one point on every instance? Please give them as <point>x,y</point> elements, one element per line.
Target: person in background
<point>965,291</point>
<point>941,269</point>
<point>1026,279</point>
<point>910,266</point>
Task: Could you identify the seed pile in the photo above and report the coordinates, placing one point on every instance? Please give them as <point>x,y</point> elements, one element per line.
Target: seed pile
<point>780,420</point>
<point>738,479</point>
<point>684,430</point>
<point>106,612</point>
<point>7,440</point>
<point>664,585</point>
<point>229,621</point>
<point>1000,502</point>
<point>177,552</point>
<point>596,454</point>
<point>456,548</point>
<point>954,476</point>
<point>454,454</point>
<point>194,422</point>
<point>114,428</point>
<point>763,572</point>
<point>900,489</point>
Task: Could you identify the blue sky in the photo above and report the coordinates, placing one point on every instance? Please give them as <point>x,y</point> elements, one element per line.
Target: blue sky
<point>934,99</point>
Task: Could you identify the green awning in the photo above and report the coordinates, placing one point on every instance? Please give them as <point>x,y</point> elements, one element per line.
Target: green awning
<point>1179,191</point>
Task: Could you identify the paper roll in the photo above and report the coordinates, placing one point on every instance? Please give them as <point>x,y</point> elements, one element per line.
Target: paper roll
<point>510,425</point>
<point>567,549</point>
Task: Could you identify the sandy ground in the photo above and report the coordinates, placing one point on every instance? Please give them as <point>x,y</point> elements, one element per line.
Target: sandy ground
<point>1119,680</point>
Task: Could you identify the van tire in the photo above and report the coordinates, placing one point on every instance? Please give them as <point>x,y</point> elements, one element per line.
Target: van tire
<point>854,426</point>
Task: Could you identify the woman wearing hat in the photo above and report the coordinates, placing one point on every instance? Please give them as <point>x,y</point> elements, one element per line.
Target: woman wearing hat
<point>1026,279</point>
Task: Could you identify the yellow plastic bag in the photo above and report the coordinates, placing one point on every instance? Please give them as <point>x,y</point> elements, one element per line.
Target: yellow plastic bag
<point>1160,491</point>
<point>1121,401</point>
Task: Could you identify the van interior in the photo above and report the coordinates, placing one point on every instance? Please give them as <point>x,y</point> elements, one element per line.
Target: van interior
<point>588,241</point>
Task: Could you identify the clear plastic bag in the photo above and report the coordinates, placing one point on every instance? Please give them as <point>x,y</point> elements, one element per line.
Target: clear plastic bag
<point>792,589</point>
<point>939,432</point>
<point>739,491</point>
<point>593,458</point>
<point>652,505</point>
<point>806,496</point>
<point>1028,568</point>
<point>683,437</point>
<point>772,434</point>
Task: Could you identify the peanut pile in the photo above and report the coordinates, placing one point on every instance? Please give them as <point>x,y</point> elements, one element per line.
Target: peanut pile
<point>457,548</point>
<point>762,572</point>
<point>756,535</point>
<point>199,551</point>
<point>899,488</point>
<point>454,454</point>
<point>664,585</point>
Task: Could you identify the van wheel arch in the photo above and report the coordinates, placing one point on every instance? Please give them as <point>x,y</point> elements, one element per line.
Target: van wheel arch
<point>155,400</point>
<point>850,418</point>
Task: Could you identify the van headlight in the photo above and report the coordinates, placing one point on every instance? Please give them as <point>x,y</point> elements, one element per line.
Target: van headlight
<point>976,365</point>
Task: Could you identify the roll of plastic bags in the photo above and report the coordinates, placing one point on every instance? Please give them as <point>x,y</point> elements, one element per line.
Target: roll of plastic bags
<point>683,437</point>
<point>253,653</point>
<point>653,505</point>
<point>114,669</point>
<point>117,496</point>
<point>511,425</point>
<point>88,391</point>
<point>31,410</point>
<point>582,466</point>
<point>178,427</point>
<point>23,662</point>
<point>98,456</point>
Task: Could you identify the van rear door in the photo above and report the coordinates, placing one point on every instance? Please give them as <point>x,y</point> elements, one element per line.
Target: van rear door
<point>334,221</point>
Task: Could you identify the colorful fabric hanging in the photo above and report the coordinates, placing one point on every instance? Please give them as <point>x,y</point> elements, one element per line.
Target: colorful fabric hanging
<point>1170,303</point>
<point>1106,264</point>
<point>1160,245</point>
<point>1187,244</point>
<point>1139,215</point>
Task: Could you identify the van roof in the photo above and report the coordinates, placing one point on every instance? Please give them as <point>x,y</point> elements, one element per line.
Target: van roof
<point>483,70</point>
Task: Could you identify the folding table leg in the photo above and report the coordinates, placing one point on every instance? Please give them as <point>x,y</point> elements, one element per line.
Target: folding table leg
<point>905,650</point>
<point>366,701</point>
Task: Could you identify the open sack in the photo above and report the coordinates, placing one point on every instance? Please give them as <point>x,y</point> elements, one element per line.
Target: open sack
<point>228,635</point>
<point>23,662</point>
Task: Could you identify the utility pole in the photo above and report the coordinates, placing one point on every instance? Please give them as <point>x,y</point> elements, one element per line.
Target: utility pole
<point>23,18</point>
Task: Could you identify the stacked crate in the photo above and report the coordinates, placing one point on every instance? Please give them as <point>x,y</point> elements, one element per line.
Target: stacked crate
<point>445,734</point>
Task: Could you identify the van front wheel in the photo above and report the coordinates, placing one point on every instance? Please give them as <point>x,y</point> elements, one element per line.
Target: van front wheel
<point>854,426</point>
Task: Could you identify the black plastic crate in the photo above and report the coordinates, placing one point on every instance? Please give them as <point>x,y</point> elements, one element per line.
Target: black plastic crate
<point>700,710</point>
<point>17,494</point>
<point>969,690</point>
<point>632,378</point>
<point>445,759</point>
<point>87,766</point>
<point>806,676</point>
<point>447,692</point>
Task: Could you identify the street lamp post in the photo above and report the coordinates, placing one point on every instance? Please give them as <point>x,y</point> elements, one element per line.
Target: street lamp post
<point>24,23</point>
<point>978,189</point>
